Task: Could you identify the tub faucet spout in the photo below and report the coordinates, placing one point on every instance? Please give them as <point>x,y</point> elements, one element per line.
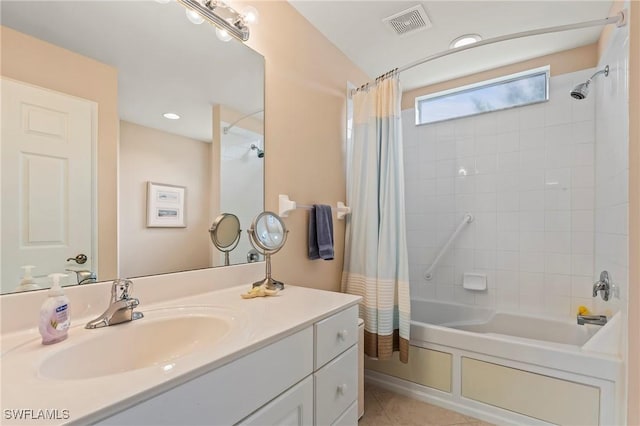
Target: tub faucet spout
<point>592,319</point>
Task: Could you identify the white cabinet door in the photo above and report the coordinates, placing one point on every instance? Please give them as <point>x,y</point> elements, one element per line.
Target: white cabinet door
<point>47,203</point>
<point>292,408</point>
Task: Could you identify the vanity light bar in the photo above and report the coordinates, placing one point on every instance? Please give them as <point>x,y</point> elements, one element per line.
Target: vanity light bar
<point>236,27</point>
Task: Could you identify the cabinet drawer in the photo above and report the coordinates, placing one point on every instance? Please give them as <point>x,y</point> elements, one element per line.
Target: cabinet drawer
<point>335,334</point>
<point>349,417</point>
<point>336,386</point>
<point>294,407</point>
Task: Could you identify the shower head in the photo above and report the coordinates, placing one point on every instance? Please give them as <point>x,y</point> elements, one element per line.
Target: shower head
<point>260,151</point>
<point>582,90</point>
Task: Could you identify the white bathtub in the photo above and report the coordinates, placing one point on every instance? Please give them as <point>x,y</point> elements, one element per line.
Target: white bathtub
<point>488,321</point>
<point>515,351</point>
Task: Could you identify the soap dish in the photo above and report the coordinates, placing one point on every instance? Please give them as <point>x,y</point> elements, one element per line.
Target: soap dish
<point>473,281</point>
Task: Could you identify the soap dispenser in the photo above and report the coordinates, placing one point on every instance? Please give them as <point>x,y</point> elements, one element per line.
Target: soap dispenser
<point>54,314</point>
<point>27,282</point>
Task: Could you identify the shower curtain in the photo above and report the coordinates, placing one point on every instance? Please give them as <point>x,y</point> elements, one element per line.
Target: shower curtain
<point>376,264</point>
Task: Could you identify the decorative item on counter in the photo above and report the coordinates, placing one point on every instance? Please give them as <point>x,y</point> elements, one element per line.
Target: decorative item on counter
<point>268,234</point>
<point>225,234</point>
<point>27,282</point>
<point>54,314</point>
<point>259,291</point>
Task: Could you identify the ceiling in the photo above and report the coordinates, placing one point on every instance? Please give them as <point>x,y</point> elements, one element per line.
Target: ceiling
<point>164,63</point>
<point>356,28</point>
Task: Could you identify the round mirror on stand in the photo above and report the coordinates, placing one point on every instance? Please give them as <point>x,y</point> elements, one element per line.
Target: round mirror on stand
<point>268,234</point>
<point>225,234</point>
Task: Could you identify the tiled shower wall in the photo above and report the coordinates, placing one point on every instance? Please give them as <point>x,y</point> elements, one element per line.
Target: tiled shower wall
<point>527,175</point>
<point>612,168</point>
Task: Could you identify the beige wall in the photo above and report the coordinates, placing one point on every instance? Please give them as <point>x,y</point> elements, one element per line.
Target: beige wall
<point>152,155</point>
<point>633,410</point>
<point>42,64</point>
<point>561,63</point>
<point>305,102</point>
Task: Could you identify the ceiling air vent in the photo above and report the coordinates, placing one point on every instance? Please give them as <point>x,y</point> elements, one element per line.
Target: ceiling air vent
<point>408,21</point>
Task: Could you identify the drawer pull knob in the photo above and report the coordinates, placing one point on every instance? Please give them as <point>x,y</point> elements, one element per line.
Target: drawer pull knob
<point>342,335</point>
<point>342,389</point>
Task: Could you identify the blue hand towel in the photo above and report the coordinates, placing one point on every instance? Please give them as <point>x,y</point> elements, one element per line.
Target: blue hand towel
<point>313,238</point>
<point>324,230</point>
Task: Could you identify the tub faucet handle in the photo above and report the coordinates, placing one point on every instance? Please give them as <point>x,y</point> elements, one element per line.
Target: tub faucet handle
<point>603,286</point>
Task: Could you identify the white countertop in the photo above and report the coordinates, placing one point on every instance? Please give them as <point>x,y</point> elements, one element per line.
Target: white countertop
<point>262,321</point>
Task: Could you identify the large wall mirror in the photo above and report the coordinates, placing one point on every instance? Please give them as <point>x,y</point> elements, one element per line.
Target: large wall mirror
<point>91,166</point>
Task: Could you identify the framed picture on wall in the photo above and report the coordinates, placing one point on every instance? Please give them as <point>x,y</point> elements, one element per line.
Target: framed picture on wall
<point>165,205</point>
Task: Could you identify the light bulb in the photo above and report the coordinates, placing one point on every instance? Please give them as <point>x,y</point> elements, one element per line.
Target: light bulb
<point>194,17</point>
<point>223,34</point>
<point>250,15</point>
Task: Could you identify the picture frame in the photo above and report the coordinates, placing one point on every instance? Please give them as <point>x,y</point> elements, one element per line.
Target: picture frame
<point>166,205</point>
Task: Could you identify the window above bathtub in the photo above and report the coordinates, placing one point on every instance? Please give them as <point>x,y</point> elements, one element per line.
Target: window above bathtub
<point>510,91</point>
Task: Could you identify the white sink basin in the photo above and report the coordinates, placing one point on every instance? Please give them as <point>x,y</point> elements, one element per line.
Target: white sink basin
<point>158,340</point>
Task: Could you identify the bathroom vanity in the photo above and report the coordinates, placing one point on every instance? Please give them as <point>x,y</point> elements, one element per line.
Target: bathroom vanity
<point>207,358</point>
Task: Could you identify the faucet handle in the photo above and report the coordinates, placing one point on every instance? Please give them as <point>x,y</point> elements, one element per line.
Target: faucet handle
<point>120,289</point>
<point>603,286</point>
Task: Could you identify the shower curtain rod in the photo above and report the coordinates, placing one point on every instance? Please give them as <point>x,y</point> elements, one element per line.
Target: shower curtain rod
<point>225,130</point>
<point>620,19</point>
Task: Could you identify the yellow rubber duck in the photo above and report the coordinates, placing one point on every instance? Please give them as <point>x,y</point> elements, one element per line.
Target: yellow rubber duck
<point>583,310</point>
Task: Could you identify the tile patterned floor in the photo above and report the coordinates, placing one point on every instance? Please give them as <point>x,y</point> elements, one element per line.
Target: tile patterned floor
<point>386,408</point>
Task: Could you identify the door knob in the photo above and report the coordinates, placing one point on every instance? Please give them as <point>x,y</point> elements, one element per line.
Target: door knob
<point>79,259</point>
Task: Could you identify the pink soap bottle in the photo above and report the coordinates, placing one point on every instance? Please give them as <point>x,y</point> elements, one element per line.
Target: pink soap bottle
<point>54,314</point>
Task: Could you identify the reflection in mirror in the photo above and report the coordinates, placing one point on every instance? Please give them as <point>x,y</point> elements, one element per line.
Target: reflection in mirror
<point>97,91</point>
<point>225,234</point>
<point>268,235</point>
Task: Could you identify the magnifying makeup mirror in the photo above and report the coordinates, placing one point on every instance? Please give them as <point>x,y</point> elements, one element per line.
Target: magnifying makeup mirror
<point>225,234</point>
<point>267,235</point>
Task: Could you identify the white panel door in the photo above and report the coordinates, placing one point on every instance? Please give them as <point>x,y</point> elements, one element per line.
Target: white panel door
<point>47,207</point>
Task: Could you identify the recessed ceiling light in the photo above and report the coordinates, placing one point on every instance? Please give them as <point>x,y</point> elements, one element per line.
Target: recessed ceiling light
<point>464,40</point>
<point>171,115</point>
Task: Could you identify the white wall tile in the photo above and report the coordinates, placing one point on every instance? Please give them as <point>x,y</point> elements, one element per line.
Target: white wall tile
<point>508,161</point>
<point>583,154</point>
<point>508,142</point>
<point>557,284</point>
<point>527,175</point>
<point>532,139</point>
<point>532,221</point>
<point>532,200</point>
<point>508,260</point>
<point>583,177</point>
<point>508,240</point>
<point>558,242</point>
<point>557,263</point>
<point>531,117</point>
<point>485,144</point>
<point>557,199</point>
<point>531,262</point>
<point>582,199</point>
<point>508,201</point>
<point>486,183</point>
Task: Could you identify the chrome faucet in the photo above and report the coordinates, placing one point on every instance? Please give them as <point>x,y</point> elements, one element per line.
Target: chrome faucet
<point>592,319</point>
<point>603,286</point>
<point>121,308</point>
<point>84,276</point>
